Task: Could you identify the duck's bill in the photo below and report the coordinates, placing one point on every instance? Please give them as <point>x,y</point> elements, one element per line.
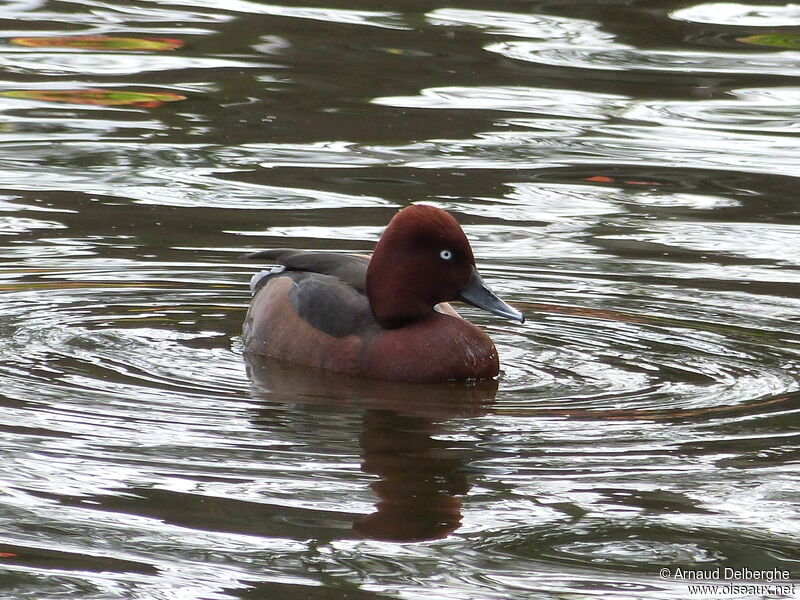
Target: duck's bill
<point>477,293</point>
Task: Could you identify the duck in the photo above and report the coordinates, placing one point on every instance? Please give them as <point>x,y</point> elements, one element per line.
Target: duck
<point>386,316</point>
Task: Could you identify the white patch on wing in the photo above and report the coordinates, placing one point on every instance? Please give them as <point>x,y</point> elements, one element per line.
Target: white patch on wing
<point>256,279</point>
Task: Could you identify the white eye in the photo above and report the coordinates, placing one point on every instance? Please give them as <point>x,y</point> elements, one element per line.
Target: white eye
<point>446,254</point>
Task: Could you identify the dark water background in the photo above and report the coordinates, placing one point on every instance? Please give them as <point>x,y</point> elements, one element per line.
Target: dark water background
<point>627,172</point>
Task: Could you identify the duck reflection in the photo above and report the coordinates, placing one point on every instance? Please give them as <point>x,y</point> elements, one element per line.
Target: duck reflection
<point>420,477</point>
<point>404,442</point>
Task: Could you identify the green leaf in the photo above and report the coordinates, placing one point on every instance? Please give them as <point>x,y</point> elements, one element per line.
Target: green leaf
<point>99,42</point>
<point>776,40</point>
<point>97,97</point>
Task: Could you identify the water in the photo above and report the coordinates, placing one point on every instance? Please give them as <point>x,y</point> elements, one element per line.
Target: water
<point>626,172</point>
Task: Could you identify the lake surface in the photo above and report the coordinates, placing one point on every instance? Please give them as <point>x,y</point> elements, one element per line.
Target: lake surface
<point>627,172</point>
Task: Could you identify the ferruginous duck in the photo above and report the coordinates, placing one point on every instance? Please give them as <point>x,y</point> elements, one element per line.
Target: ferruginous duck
<point>384,317</point>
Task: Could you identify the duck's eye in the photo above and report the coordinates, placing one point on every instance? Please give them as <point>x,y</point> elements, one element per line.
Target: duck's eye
<point>446,254</point>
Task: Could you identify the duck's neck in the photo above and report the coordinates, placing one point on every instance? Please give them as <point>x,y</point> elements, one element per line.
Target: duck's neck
<point>395,296</point>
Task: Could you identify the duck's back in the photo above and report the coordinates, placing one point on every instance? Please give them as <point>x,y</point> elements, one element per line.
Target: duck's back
<point>351,269</point>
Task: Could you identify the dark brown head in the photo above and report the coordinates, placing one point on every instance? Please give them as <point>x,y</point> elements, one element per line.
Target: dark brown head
<point>423,258</point>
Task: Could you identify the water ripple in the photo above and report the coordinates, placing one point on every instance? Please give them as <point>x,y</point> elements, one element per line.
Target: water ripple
<point>739,13</point>
<point>619,57</point>
<point>545,27</point>
<point>752,109</point>
<point>113,64</point>
<point>381,19</point>
<point>517,99</point>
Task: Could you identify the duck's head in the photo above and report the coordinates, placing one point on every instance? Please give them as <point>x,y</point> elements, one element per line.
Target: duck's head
<point>423,258</point>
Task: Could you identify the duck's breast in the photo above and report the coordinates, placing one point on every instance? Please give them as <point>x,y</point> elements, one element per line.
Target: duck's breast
<point>440,348</point>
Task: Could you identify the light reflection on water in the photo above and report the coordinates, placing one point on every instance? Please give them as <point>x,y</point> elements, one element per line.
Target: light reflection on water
<point>627,179</point>
<point>740,13</point>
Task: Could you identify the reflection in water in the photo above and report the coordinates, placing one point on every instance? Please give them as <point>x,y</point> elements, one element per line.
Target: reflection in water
<point>421,473</point>
<point>283,381</point>
<point>741,13</point>
<point>420,478</point>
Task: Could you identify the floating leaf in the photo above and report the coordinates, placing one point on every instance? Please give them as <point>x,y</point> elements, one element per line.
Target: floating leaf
<point>97,97</point>
<point>99,42</point>
<point>607,179</point>
<point>632,182</point>
<point>8,555</point>
<point>776,40</point>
